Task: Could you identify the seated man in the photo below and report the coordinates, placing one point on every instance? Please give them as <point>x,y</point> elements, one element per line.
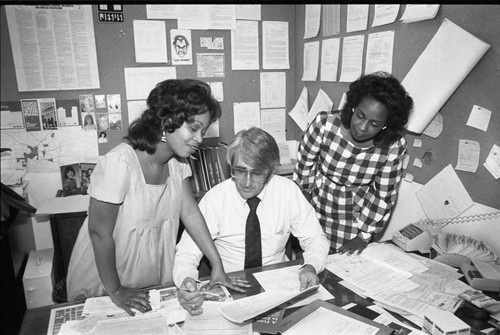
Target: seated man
<point>281,209</point>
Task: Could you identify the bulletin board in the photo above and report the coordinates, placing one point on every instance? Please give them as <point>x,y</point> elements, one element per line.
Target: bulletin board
<point>115,51</point>
<point>480,87</point>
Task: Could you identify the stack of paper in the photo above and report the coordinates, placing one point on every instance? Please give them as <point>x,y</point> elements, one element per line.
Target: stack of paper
<point>463,245</point>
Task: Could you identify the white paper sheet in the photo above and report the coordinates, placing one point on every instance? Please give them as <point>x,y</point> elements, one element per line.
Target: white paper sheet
<point>492,163</point>
<point>211,322</point>
<point>150,41</point>
<point>248,12</point>
<point>434,128</point>
<point>444,196</point>
<point>468,155</point>
<point>162,11</point>
<point>273,121</point>
<point>439,70</point>
<point>330,59</point>
<point>385,14</point>
<point>479,118</point>
<point>414,13</point>
<point>135,109</point>
<point>320,104</point>
<point>311,61</point>
<point>272,89</point>
<point>275,45</point>
<point>246,115</point>
<point>204,17</point>
<point>181,47</point>
<point>357,17</point>
<point>331,20</point>
<point>245,46</point>
<point>352,58</point>
<point>312,21</point>
<point>379,52</point>
<point>300,110</point>
<point>139,81</point>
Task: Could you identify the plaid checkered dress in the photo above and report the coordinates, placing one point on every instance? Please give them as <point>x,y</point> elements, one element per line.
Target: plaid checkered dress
<point>353,189</point>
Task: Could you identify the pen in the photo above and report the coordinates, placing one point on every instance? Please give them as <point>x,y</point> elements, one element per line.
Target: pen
<point>204,292</point>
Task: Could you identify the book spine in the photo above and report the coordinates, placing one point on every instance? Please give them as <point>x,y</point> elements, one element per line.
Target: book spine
<point>223,164</point>
<point>216,165</point>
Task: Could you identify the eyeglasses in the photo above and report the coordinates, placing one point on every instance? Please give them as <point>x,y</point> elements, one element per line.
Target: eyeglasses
<point>256,176</point>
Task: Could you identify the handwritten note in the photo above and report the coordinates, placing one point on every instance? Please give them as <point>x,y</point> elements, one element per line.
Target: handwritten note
<point>468,156</point>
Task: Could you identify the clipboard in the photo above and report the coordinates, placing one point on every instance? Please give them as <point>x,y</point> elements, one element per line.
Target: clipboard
<point>299,315</point>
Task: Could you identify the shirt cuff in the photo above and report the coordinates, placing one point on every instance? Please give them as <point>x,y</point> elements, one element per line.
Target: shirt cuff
<point>179,276</point>
<point>317,264</point>
<point>366,237</point>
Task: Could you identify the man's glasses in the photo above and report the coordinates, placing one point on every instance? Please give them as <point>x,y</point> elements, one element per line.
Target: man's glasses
<point>256,176</point>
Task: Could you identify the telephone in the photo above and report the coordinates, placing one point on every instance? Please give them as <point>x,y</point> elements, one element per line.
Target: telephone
<point>418,236</point>
<point>481,276</point>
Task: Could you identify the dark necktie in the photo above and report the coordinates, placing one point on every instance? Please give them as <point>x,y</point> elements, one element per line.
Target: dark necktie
<point>253,249</point>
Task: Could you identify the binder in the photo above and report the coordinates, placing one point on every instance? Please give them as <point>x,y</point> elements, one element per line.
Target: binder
<point>299,315</point>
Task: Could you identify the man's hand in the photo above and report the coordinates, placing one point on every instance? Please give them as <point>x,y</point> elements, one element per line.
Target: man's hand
<point>189,297</point>
<point>128,298</point>
<point>354,245</point>
<point>308,277</point>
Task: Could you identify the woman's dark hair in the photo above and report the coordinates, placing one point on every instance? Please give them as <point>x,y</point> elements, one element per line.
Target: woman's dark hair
<point>171,103</point>
<point>387,90</point>
<point>67,170</point>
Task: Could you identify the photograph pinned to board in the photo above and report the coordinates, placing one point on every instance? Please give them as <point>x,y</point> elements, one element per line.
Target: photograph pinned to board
<point>86,172</point>
<point>89,122</point>
<point>68,113</point>
<point>31,113</point>
<point>70,179</point>
<point>48,111</point>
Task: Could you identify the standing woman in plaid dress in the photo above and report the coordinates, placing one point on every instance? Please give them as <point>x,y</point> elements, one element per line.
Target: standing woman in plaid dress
<point>350,162</point>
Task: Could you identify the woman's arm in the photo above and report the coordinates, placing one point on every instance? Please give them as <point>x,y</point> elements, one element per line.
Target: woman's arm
<point>197,228</point>
<point>102,220</point>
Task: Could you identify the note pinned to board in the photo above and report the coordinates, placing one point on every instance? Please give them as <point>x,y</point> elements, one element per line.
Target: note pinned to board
<point>468,155</point>
<point>439,70</point>
<point>444,196</point>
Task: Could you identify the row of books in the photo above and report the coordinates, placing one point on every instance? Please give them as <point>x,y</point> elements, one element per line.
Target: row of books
<point>209,167</point>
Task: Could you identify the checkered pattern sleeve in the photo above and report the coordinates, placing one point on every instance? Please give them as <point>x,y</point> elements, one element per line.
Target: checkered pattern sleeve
<point>381,194</point>
<point>309,153</point>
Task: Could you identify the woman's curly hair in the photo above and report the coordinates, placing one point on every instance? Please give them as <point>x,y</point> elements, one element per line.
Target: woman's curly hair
<point>171,103</point>
<point>387,90</point>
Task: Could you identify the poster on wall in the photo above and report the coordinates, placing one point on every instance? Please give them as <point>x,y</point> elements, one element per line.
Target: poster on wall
<point>11,115</point>
<point>48,112</point>
<point>62,66</point>
<point>181,51</point>
<point>31,114</point>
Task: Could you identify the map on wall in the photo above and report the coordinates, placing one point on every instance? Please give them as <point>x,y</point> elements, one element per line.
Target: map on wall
<point>46,151</point>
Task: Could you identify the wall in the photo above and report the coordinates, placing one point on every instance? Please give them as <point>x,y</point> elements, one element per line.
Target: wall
<point>480,87</point>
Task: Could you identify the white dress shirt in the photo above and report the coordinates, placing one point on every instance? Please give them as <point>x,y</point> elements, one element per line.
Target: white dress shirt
<point>283,210</point>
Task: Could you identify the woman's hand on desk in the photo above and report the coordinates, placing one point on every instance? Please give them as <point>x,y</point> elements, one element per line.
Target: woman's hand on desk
<point>128,298</point>
<point>355,245</point>
<point>233,282</point>
<point>307,277</point>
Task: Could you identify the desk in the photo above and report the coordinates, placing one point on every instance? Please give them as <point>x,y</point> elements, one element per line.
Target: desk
<point>36,320</point>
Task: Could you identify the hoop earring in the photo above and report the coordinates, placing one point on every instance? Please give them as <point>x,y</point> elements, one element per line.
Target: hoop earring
<point>164,137</point>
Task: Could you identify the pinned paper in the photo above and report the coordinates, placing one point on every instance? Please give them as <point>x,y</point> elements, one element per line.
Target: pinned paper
<point>468,156</point>
<point>444,196</point>
<point>479,118</point>
<point>322,103</point>
<point>435,128</point>
<point>417,143</point>
<point>417,162</point>
<point>299,111</point>
<point>492,163</point>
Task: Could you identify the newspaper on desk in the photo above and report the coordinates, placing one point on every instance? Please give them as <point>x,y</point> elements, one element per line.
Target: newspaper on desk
<point>409,285</point>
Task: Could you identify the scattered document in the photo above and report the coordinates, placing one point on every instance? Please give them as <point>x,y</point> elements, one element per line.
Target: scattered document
<point>245,46</point>
<point>392,256</point>
<point>385,14</point>
<point>492,163</point>
<point>444,196</point>
<point>330,50</point>
<point>247,308</point>
<point>150,41</point>
<point>434,128</point>
<point>300,110</point>
<point>12,177</point>
<point>211,322</point>
<point>379,52</point>
<point>357,17</point>
<point>146,324</point>
<point>414,13</point>
<point>439,70</point>
<point>352,58</point>
<point>311,61</point>
<point>479,118</point>
<point>468,155</point>
<point>275,53</point>
<point>288,278</point>
<point>312,21</point>
<point>320,104</point>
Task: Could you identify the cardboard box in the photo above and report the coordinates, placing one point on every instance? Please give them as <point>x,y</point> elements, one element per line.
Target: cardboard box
<point>442,322</point>
<point>38,278</point>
